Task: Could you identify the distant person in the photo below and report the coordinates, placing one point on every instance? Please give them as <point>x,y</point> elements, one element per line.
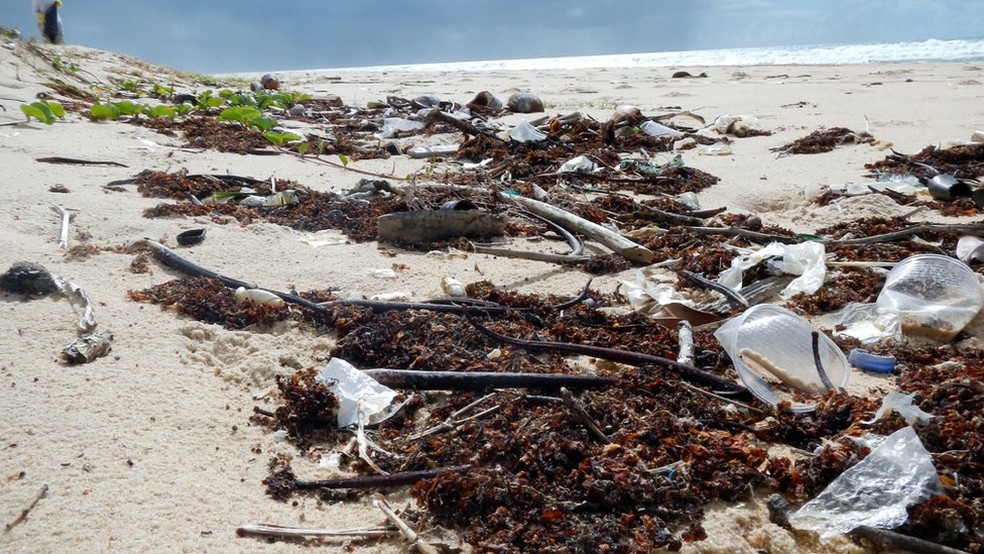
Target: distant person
<point>49,21</point>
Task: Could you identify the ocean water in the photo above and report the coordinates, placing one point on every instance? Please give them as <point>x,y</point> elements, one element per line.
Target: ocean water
<point>831,54</point>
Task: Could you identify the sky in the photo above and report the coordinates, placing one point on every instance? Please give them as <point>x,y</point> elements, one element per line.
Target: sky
<point>226,36</point>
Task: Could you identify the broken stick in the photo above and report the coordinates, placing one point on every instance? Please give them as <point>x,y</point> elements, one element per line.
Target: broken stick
<point>628,249</point>
<point>26,511</point>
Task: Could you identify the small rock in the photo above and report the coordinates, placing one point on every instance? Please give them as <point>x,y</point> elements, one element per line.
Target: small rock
<point>297,110</point>
<point>28,278</point>
<point>269,82</point>
<point>524,102</point>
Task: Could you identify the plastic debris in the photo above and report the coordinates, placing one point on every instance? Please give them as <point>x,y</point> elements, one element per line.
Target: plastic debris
<point>580,164</point>
<point>770,344</point>
<point>862,359</point>
<point>655,129</point>
<point>876,491</point>
<point>524,132</point>
<point>440,150</point>
<point>931,295</point>
<point>901,404</point>
<point>353,387</point>
<point>805,259</point>
<point>87,348</point>
<point>393,125</point>
<point>738,125</point>
<point>970,249</point>
<point>716,149</point>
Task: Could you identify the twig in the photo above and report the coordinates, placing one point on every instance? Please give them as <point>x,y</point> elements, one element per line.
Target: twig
<point>685,334</point>
<point>824,378</point>
<point>710,394</point>
<point>26,511</point>
<point>687,372</point>
<point>75,161</point>
<point>450,423</point>
<point>667,217</point>
<point>734,298</point>
<point>482,380</point>
<point>270,530</point>
<point>409,534</point>
<point>583,416</point>
<point>744,233</point>
<point>969,229</point>
<point>576,246</point>
<point>378,481</point>
<point>527,255</point>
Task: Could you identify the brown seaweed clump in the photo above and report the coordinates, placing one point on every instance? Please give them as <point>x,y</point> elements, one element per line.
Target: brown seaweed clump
<point>824,141</point>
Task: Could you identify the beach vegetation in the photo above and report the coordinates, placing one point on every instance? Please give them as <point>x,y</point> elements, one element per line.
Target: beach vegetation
<point>161,91</point>
<point>130,85</point>
<point>45,111</point>
<point>207,100</point>
<point>249,116</point>
<point>65,66</point>
<point>9,33</point>
<point>104,111</point>
<point>344,159</point>
<point>280,139</point>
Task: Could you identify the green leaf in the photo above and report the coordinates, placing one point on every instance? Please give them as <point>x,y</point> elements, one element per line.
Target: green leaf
<point>263,123</point>
<point>344,159</point>
<point>239,114</point>
<point>303,148</point>
<point>276,138</point>
<point>183,109</point>
<point>56,108</point>
<point>126,107</point>
<point>160,111</point>
<point>38,111</point>
<point>104,111</point>
<point>160,90</point>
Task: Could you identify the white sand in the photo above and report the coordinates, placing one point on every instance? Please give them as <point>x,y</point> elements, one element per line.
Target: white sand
<point>150,448</point>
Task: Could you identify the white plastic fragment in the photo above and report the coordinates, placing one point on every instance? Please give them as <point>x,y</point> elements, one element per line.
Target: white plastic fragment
<point>876,491</point>
<point>325,237</point>
<point>393,125</point>
<point>806,259</point>
<point>259,297</point>
<point>524,132</point>
<point>396,296</point>
<point>970,249</point>
<point>439,150</point>
<point>901,403</point>
<point>353,387</point>
<point>79,300</point>
<point>642,293</point>
<point>580,164</point>
<point>655,129</point>
<point>716,149</point>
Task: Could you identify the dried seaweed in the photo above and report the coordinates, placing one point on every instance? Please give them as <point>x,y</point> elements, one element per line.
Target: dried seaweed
<point>824,141</point>
<point>964,161</point>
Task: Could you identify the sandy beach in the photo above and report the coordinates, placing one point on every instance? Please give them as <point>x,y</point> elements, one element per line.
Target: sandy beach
<point>152,447</point>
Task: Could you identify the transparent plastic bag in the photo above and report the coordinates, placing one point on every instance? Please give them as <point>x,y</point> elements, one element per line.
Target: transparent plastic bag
<point>899,472</point>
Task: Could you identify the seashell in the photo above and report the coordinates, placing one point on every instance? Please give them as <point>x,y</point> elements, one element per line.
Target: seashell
<point>259,297</point>
<point>453,287</point>
<point>524,102</point>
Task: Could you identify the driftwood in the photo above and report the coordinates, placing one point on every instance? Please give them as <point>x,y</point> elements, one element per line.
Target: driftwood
<point>482,380</point>
<point>616,242</point>
<point>424,226</point>
<point>75,161</point>
<point>583,416</point>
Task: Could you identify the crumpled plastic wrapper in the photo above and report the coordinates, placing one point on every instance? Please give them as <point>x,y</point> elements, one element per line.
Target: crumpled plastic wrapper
<point>901,404</point>
<point>876,491</point>
<point>87,348</point>
<point>524,132</point>
<point>353,387</point>
<point>805,259</point>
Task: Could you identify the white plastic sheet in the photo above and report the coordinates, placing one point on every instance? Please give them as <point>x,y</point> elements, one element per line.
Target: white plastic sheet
<point>806,259</point>
<point>353,387</point>
<point>524,132</point>
<point>876,491</point>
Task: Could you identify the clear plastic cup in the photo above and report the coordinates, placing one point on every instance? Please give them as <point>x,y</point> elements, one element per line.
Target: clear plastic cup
<point>767,340</point>
<point>934,296</point>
